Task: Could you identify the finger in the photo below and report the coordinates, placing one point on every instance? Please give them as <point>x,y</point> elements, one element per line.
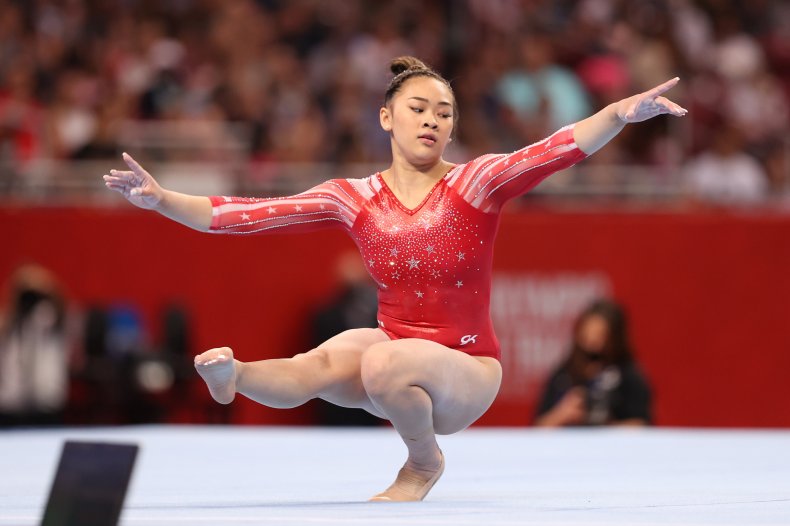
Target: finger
<point>126,190</point>
<point>117,187</point>
<point>116,180</point>
<point>671,107</point>
<point>124,175</point>
<point>134,165</point>
<point>666,86</point>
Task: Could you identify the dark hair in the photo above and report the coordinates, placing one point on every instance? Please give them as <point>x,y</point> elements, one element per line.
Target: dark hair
<point>407,67</point>
<point>30,287</point>
<point>617,349</point>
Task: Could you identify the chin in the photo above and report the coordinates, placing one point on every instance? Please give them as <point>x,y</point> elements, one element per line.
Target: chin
<point>420,160</point>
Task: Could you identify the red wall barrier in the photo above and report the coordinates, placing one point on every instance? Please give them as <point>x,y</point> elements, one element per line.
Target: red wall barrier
<point>708,295</point>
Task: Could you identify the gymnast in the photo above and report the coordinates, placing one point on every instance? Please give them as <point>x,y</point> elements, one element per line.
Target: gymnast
<point>425,229</point>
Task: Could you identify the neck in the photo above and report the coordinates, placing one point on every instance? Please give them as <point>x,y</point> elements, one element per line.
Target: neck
<point>407,177</point>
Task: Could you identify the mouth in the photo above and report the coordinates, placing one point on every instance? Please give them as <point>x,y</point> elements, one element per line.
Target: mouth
<point>428,139</point>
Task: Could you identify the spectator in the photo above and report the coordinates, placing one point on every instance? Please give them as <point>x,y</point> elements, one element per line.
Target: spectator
<point>724,173</point>
<point>599,383</point>
<point>541,93</point>
<point>33,356</point>
<point>73,74</point>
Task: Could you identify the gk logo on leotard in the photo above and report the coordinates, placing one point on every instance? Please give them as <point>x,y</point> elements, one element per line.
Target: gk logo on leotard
<point>469,338</point>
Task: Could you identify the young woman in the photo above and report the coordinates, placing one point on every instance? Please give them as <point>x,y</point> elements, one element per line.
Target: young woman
<point>425,229</point>
<point>599,383</point>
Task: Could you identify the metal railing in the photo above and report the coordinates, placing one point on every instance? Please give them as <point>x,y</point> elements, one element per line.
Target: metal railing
<point>213,158</point>
<point>58,182</point>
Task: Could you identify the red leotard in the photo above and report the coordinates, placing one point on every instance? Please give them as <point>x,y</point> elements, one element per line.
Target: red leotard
<point>432,263</point>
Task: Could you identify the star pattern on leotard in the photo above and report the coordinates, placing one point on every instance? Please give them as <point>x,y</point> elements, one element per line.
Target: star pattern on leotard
<point>431,263</point>
<point>427,253</point>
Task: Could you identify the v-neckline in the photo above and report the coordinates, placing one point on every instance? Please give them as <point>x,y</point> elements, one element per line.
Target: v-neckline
<point>410,211</point>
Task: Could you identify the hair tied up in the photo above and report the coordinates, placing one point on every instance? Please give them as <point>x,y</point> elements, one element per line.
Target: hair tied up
<point>408,67</point>
<point>407,63</point>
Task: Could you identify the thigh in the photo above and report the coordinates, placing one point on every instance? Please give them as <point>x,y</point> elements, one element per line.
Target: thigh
<point>342,355</point>
<point>461,387</point>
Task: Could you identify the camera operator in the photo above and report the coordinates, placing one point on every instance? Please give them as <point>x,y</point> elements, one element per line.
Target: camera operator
<point>599,383</point>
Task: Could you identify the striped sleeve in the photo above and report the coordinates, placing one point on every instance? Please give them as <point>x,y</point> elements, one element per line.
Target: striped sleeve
<point>332,204</point>
<point>490,180</point>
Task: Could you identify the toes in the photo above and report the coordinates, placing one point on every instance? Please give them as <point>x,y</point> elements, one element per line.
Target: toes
<point>214,356</point>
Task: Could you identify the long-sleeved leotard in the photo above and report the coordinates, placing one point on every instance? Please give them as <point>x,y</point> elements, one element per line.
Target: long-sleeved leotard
<point>432,263</point>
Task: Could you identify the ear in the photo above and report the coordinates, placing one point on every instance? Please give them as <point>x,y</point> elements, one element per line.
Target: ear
<point>385,119</point>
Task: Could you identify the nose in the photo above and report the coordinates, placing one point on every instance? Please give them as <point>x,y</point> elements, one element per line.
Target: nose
<point>430,122</point>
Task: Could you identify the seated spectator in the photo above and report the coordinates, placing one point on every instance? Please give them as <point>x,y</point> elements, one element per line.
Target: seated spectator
<point>599,383</point>
<point>724,173</point>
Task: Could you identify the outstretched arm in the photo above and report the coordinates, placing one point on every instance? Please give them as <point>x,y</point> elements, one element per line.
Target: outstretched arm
<point>595,131</point>
<point>142,190</point>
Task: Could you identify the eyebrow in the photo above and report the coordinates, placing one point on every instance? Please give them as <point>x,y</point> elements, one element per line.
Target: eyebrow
<point>423,99</point>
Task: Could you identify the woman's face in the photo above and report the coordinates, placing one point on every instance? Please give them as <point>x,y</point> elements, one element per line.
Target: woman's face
<point>593,334</point>
<point>420,120</point>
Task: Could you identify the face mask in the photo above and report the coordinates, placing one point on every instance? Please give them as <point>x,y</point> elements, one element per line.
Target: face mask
<point>592,356</point>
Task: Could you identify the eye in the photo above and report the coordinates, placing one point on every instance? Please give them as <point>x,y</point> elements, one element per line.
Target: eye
<point>446,115</point>
<point>416,110</point>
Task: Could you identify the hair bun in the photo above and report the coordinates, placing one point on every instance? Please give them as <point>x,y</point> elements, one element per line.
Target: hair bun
<point>406,63</point>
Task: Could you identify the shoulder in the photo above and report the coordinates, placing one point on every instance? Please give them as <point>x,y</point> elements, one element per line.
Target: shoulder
<point>632,374</point>
<point>468,169</point>
<point>364,187</point>
<point>350,187</point>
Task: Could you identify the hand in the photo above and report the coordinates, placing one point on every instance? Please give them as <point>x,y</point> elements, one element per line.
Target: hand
<point>649,104</point>
<point>572,408</point>
<point>136,185</point>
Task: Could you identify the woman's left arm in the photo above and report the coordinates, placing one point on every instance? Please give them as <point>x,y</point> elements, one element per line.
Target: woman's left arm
<point>595,131</point>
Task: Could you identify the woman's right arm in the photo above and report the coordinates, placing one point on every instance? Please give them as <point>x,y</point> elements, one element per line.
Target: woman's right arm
<point>142,190</point>
<point>335,203</point>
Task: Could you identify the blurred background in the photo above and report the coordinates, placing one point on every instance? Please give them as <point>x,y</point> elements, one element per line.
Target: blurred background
<point>685,222</point>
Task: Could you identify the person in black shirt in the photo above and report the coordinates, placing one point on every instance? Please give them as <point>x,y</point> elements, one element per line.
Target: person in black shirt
<point>599,383</point>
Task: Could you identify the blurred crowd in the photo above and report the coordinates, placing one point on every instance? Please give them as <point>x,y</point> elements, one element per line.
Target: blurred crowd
<point>306,78</point>
<point>60,363</point>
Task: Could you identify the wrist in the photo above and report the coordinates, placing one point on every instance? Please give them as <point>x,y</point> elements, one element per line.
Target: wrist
<point>617,111</point>
<point>163,203</point>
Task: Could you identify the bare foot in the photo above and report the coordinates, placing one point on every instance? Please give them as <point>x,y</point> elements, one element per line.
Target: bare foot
<point>411,484</point>
<point>218,369</point>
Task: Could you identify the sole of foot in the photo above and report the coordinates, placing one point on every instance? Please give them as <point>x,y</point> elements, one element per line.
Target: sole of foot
<point>218,369</point>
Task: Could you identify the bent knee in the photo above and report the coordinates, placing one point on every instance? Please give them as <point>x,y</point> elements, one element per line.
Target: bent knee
<point>379,368</point>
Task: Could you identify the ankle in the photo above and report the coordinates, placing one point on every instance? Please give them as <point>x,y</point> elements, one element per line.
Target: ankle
<point>424,452</point>
<point>238,373</point>
<point>427,462</point>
